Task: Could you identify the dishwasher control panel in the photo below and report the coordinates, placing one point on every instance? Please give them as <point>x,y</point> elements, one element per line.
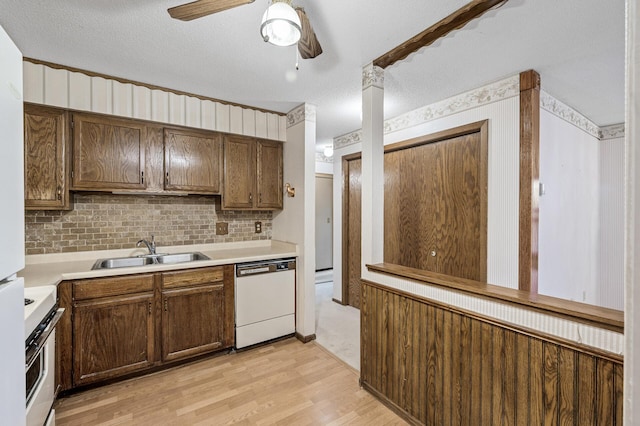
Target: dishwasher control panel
<point>265,267</point>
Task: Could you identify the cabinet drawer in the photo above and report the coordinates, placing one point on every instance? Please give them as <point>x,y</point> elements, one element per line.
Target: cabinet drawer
<point>112,286</point>
<point>192,277</point>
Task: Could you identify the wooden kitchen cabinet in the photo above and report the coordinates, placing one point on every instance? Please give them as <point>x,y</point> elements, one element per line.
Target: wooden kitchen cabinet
<point>269,178</point>
<point>113,327</point>
<point>197,313</point>
<point>46,158</point>
<point>252,174</point>
<point>108,153</point>
<point>192,161</point>
<point>116,326</point>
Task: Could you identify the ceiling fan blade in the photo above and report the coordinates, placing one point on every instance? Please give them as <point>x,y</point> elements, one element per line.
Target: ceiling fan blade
<point>308,45</point>
<point>200,8</point>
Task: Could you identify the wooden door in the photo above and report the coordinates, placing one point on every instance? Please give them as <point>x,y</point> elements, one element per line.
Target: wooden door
<point>108,153</point>
<point>239,172</point>
<point>269,174</point>
<point>435,203</point>
<point>111,337</point>
<point>46,151</point>
<point>192,161</point>
<point>192,321</point>
<point>351,236</point>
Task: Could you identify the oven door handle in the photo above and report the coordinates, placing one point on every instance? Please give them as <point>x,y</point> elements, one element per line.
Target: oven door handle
<point>34,349</point>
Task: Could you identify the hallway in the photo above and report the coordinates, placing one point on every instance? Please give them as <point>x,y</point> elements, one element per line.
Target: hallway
<point>337,326</point>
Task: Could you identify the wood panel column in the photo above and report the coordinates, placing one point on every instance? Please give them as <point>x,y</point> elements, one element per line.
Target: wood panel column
<point>529,180</point>
<point>372,166</point>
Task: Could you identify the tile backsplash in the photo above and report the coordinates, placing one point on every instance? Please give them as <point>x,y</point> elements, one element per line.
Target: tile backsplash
<point>107,221</point>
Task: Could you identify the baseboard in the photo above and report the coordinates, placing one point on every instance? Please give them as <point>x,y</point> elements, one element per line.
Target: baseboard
<point>305,339</point>
<point>392,406</point>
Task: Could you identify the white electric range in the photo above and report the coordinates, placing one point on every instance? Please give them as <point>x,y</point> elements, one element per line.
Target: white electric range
<point>40,315</point>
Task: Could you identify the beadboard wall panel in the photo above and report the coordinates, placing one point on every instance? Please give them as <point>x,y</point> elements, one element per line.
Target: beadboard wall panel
<point>610,292</point>
<point>56,87</point>
<point>79,91</point>
<point>580,333</point>
<point>75,90</point>
<point>141,103</point>
<point>568,222</point>
<point>439,365</point>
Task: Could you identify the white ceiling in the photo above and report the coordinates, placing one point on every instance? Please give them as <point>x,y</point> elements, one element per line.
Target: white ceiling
<point>577,46</point>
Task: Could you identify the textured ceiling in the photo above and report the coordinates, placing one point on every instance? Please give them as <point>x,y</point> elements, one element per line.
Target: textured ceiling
<point>577,46</point>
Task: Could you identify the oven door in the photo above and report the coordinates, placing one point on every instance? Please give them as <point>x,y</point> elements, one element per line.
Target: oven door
<point>41,383</point>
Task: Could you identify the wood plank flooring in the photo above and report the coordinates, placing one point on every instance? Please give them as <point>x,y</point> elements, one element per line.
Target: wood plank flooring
<point>284,383</point>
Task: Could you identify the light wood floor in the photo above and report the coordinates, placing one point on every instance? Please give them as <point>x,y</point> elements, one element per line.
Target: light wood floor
<point>285,383</point>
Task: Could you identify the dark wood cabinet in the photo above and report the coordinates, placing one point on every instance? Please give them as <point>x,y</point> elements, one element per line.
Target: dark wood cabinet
<point>113,335</point>
<point>108,153</point>
<point>192,161</point>
<point>46,158</point>
<point>269,174</point>
<point>197,313</point>
<point>252,174</point>
<point>121,325</point>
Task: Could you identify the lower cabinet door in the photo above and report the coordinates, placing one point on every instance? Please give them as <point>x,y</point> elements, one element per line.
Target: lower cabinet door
<point>112,337</point>
<point>192,321</point>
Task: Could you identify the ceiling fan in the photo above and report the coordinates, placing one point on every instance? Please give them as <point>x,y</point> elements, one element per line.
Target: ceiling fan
<point>308,45</point>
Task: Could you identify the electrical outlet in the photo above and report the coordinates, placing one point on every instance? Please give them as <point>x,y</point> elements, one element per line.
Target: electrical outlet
<point>258,227</point>
<point>222,228</point>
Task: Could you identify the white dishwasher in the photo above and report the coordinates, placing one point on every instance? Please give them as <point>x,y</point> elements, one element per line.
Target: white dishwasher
<point>265,300</point>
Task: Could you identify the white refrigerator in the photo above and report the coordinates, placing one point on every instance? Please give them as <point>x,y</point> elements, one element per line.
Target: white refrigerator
<point>12,356</point>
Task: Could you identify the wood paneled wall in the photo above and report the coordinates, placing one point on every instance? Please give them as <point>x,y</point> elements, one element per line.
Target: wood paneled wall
<point>437,365</point>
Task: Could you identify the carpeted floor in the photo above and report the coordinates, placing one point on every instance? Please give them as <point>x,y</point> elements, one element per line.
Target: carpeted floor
<point>337,326</point>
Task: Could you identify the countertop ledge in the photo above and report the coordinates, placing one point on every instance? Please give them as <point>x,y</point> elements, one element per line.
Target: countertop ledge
<point>51,269</point>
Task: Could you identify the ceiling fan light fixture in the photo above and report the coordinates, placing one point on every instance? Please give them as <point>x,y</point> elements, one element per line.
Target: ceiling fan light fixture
<point>280,24</point>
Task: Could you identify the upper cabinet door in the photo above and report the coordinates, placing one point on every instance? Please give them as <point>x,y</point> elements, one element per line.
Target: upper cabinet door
<point>46,151</point>
<point>108,153</point>
<point>239,172</point>
<point>192,161</point>
<point>269,177</point>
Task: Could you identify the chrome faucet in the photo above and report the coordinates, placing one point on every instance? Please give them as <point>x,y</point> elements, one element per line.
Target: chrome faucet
<point>151,246</point>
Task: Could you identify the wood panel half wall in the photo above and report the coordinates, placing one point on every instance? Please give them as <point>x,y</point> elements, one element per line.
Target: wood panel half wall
<point>437,365</point>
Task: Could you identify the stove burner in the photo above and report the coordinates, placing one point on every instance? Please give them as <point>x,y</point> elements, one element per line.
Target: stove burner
<point>28,301</point>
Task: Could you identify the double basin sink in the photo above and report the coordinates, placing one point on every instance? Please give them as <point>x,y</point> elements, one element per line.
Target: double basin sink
<point>149,259</point>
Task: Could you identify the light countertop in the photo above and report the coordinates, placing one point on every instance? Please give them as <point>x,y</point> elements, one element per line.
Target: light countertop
<point>51,269</point>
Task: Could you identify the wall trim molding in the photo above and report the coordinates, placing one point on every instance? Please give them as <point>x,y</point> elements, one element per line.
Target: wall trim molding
<point>497,91</point>
<point>572,116</point>
<point>503,89</point>
<point>613,131</point>
<point>303,112</point>
<point>372,75</point>
<point>321,158</point>
<point>568,114</point>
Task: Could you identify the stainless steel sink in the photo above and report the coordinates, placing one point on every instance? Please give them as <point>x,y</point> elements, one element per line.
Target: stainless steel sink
<point>181,257</point>
<point>165,259</point>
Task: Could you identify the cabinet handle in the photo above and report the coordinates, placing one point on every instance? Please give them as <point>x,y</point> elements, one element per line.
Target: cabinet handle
<point>59,193</point>
<point>167,178</point>
<point>250,197</point>
<point>149,308</point>
<point>166,305</point>
<point>142,177</point>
